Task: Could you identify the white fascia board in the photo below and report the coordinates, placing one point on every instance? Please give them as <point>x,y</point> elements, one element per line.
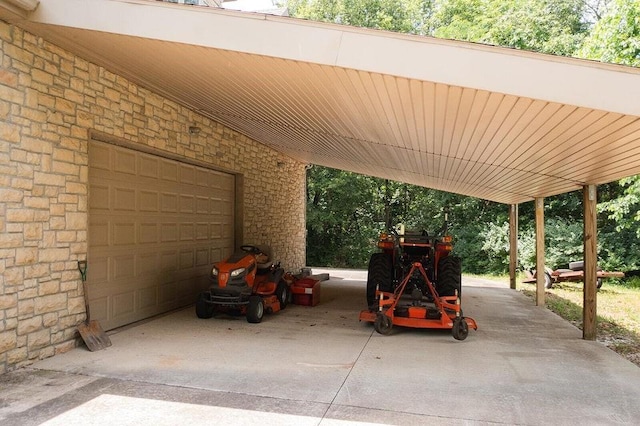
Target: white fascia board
<point>246,32</point>
<point>564,80</point>
<point>545,77</point>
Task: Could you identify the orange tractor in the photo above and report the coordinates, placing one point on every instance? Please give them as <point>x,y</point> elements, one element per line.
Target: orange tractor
<point>414,281</point>
<point>247,283</point>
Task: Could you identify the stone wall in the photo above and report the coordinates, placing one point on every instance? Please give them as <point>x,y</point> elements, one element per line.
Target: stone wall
<point>49,102</point>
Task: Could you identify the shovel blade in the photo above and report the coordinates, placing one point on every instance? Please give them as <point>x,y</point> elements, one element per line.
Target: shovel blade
<point>94,336</point>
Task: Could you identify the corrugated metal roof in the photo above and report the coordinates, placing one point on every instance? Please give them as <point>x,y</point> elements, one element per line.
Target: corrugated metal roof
<point>489,122</point>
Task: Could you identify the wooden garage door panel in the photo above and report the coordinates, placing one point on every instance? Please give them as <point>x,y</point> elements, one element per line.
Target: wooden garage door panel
<point>156,226</point>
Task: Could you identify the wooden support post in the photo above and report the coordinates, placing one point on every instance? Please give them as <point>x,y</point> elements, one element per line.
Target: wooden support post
<point>513,244</point>
<point>539,251</point>
<point>590,262</point>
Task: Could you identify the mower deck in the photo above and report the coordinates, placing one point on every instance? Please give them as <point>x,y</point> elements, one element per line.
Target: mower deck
<point>399,309</point>
<point>418,319</point>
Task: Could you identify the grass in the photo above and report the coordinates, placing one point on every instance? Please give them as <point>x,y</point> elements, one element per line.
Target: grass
<point>618,306</point>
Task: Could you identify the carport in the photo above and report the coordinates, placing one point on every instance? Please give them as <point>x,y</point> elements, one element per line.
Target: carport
<point>494,123</point>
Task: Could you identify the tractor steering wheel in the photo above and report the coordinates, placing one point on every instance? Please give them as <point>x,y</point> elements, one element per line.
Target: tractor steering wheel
<point>250,249</point>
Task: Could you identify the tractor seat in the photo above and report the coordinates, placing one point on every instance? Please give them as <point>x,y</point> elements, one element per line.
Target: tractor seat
<point>264,259</point>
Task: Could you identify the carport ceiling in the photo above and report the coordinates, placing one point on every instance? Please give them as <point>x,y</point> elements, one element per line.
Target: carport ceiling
<point>494,123</point>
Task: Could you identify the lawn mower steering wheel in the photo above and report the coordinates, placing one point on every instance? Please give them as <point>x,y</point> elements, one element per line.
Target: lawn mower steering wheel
<point>250,249</point>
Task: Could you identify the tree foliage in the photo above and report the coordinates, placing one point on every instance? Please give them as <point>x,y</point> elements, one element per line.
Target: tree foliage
<point>406,16</point>
<point>341,217</point>
<point>549,26</point>
<point>616,37</point>
<point>346,211</point>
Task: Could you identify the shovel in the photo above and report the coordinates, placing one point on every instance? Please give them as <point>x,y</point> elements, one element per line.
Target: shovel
<point>92,333</point>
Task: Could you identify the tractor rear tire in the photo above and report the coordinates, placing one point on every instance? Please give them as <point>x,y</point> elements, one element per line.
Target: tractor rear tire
<point>203,309</point>
<point>255,310</point>
<point>449,276</point>
<point>378,276</point>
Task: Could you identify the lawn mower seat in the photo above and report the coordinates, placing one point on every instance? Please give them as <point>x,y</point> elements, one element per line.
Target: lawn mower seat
<point>264,260</point>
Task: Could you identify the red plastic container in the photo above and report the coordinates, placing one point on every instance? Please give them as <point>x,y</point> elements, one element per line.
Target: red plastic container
<point>306,291</point>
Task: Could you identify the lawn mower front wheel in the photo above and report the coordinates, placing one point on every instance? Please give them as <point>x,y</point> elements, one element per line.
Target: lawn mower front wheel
<point>255,309</point>
<point>204,310</point>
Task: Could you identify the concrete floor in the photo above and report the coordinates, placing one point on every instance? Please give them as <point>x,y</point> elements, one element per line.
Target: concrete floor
<point>320,366</point>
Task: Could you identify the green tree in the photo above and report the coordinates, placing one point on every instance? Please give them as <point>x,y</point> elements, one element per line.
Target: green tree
<point>407,16</point>
<point>625,210</point>
<point>341,217</point>
<point>616,36</point>
<point>548,26</point>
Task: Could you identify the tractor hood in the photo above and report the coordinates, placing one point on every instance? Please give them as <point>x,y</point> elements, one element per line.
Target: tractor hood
<point>235,270</point>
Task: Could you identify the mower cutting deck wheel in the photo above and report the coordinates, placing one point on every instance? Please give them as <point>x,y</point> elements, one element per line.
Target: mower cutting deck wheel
<point>383,324</point>
<point>460,329</point>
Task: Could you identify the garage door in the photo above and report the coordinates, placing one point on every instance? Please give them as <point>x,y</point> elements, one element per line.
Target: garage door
<point>156,226</point>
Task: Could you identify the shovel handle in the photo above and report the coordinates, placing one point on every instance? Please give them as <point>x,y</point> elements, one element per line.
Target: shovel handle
<point>82,267</point>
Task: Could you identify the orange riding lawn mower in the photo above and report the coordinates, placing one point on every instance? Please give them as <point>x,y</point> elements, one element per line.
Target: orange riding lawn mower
<point>246,283</point>
<point>415,282</point>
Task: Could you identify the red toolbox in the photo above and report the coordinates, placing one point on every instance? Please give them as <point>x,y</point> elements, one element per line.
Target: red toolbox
<point>306,291</point>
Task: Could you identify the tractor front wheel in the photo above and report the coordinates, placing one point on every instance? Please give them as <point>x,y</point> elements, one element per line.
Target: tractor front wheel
<point>255,310</point>
<point>203,309</point>
<point>378,276</point>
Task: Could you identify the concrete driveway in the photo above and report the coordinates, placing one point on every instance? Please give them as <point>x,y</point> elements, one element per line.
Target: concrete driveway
<point>320,366</point>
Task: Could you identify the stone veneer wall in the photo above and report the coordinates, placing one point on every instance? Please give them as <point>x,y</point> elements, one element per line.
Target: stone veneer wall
<point>49,101</point>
